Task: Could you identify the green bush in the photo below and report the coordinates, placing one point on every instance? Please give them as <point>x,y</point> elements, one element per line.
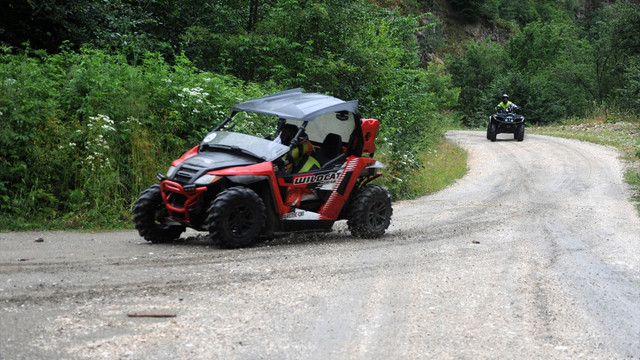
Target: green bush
<point>473,72</point>
<point>84,132</point>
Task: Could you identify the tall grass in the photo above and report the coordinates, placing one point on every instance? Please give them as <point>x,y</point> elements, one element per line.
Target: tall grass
<point>441,165</point>
<point>432,165</point>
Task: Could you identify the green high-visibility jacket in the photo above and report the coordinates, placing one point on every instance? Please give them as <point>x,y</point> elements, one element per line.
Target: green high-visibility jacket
<point>504,105</point>
<point>303,160</point>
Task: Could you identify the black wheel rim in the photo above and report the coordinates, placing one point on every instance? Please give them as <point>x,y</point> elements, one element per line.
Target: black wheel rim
<point>241,220</point>
<point>378,214</point>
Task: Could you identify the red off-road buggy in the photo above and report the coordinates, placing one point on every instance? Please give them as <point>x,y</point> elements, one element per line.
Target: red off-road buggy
<point>234,185</point>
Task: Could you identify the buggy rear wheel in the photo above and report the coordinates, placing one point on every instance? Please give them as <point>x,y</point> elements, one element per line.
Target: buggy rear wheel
<point>150,217</point>
<point>370,212</point>
<point>236,217</point>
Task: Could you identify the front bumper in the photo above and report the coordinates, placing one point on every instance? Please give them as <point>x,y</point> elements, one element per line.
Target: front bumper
<point>181,201</point>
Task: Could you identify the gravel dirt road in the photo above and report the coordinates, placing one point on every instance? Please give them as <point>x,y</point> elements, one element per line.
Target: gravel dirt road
<point>534,254</point>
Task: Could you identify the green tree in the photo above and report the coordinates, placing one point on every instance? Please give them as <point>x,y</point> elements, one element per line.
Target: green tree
<point>557,59</point>
<point>616,52</point>
<point>480,65</point>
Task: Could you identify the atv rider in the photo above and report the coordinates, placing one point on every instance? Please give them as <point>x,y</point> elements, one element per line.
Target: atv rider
<point>301,156</point>
<point>505,105</point>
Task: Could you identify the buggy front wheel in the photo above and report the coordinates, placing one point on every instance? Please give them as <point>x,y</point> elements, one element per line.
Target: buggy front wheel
<point>151,218</point>
<point>236,217</point>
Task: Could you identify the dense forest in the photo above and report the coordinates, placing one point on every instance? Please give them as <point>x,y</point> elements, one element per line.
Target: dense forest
<point>98,96</point>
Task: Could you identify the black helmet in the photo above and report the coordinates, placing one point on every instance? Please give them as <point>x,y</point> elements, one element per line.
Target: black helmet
<point>287,133</point>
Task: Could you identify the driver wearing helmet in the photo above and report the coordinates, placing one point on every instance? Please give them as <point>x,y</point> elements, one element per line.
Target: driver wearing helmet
<point>300,156</point>
<point>505,105</point>
<point>298,159</point>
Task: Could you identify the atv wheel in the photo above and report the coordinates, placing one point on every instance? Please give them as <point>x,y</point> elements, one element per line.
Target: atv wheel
<point>492,132</point>
<point>519,135</point>
<point>150,217</point>
<point>236,217</point>
<point>370,212</point>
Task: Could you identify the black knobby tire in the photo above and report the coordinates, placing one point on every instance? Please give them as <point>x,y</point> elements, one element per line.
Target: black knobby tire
<point>519,135</point>
<point>370,212</point>
<point>149,217</point>
<point>492,131</point>
<point>236,217</point>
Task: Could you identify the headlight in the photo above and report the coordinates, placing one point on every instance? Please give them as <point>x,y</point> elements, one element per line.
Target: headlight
<point>376,165</point>
<point>207,179</point>
<point>172,171</point>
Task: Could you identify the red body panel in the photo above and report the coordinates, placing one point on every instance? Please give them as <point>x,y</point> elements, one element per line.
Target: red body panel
<point>264,169</point>
<point>352,170</point>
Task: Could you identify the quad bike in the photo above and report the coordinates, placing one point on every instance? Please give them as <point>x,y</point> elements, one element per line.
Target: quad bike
<point>506,121</point>
<point>235,186</point>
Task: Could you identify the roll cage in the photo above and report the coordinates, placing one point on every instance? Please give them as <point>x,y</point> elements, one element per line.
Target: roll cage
<point>317,115</point>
